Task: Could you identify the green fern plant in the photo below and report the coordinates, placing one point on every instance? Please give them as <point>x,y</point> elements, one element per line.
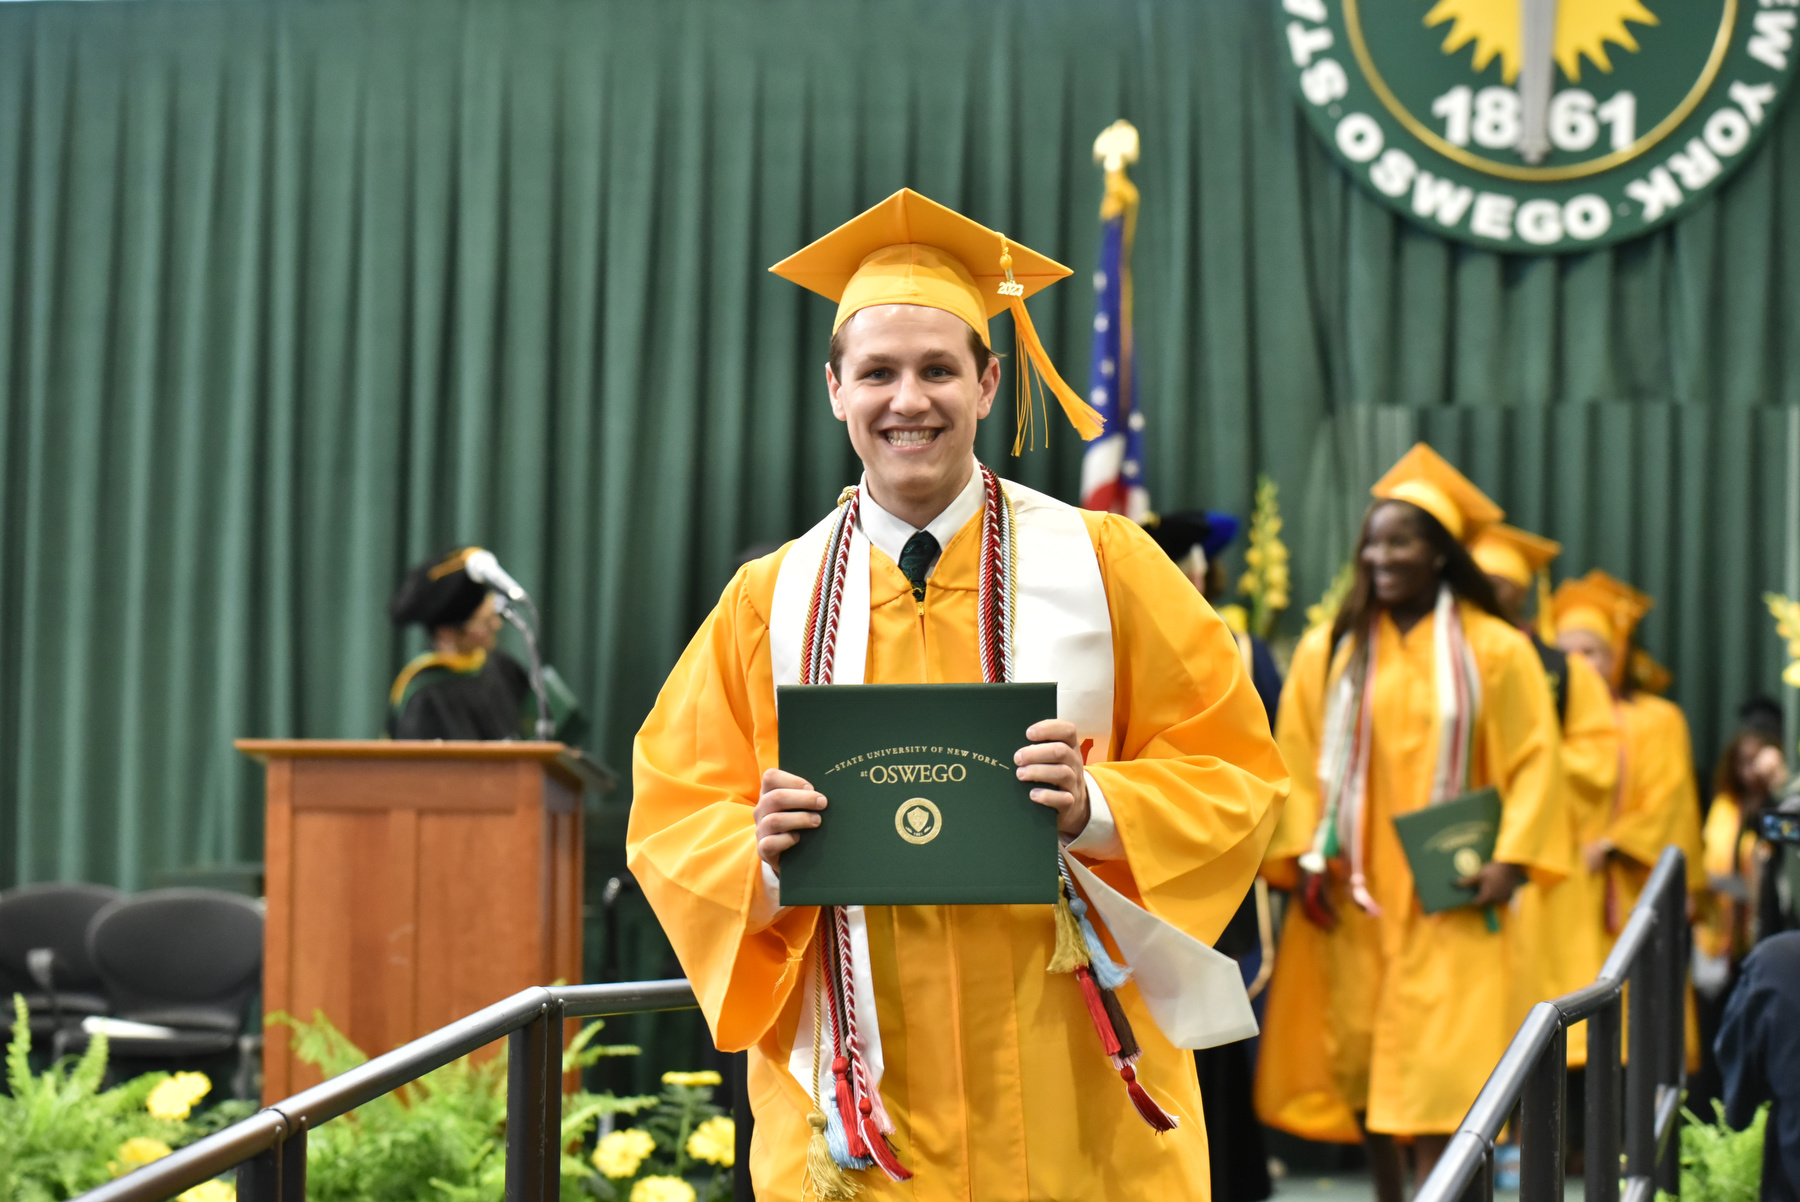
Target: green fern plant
<point>61,1134</point>
<point>1719,1164</point>
<point>443,1137</point>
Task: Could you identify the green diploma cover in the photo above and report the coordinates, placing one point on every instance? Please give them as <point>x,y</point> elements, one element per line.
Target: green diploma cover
<point>1447,842</point>
<point>923,804</point>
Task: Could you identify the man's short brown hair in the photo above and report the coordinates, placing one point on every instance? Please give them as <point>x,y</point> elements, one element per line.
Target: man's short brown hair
<point>978,350</point>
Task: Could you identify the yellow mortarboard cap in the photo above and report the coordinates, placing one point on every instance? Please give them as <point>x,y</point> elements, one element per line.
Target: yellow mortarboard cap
<point>1601,604</point>
<point>910,250</point>
<point>1513,554</point>
<point>1426,479</point>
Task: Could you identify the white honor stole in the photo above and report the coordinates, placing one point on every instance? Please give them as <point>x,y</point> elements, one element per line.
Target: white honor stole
<point>1062,632</point>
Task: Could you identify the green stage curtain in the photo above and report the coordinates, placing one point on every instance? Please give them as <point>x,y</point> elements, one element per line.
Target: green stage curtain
<point>294,294</point>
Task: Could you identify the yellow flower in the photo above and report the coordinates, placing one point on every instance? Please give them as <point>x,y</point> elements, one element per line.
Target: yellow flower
<point>706,1077</point>
<point>1791,674</point>
<point>135,1153</point>
<point>210,1191</point>
<point>662,1189</point>
<point>173,1099</point>
<point>619,1153</point>
<point>714,1141</point>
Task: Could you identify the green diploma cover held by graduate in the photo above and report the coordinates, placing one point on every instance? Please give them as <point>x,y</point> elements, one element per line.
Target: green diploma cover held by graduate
<point>926,807</point>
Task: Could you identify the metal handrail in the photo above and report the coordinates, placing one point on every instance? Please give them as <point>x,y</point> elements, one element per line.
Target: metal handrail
<point>268,1149</point>
<point>1650,957</point>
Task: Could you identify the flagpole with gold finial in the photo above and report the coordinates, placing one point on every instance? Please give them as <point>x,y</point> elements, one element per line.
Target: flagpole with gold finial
<point>1115,149</point>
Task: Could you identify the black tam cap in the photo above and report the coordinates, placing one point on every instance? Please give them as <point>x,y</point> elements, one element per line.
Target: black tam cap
<point>1179,533</point>
<point>438,593</point>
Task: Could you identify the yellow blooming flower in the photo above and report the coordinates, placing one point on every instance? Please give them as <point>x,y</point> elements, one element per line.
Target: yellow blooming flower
<point>1265,578</point>
<point>714,1141</point>
<point>173,1099</point>
<point>135,1153</point>
<point>662,1189</point>
<point>210,1191</point>
<point>705,1077</point>
<point>619,1153</point>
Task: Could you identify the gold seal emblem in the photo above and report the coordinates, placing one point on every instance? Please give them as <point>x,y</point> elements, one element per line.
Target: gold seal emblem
<point>1467,861</point>
<point>918,820</point>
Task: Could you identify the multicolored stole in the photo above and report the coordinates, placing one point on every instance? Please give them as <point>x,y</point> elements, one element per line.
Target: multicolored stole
<point>1349,731</point>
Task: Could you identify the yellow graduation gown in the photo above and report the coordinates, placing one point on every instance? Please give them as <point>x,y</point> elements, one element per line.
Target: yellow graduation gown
<point>1656,804</point>
<point>1556,945</point>
<point>995,1078</point>
<point>1403,1015</point>
<point>1729,851</point>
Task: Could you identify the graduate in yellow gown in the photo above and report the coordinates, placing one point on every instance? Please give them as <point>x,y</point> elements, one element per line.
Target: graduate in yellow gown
<point>1656,803</point>
<point>1378,1013</point>
<point>995,1084</point>
<point>1556,949</point>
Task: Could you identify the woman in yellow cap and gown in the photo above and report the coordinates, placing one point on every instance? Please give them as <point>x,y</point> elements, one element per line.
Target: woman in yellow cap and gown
<point>1556,947</point>
<point>1380,1016</point>
<point>1655,803</point>
<point>975,1071</point>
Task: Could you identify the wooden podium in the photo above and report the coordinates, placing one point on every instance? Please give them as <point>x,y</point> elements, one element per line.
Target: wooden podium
<point>411,883</point>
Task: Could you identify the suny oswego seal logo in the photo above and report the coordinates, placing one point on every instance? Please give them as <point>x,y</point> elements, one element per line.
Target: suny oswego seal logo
<point>1540,125</point>
<point>918,820</point>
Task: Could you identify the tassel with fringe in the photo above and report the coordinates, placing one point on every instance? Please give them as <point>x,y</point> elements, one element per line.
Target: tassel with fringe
<point>1127,1038</point>
<point>1035,368</point>
<point>1071,948</point>
<point>1109,974</point>
<point>1090,993</point>
<point>822,1171</point>
<point>1159,1119</point>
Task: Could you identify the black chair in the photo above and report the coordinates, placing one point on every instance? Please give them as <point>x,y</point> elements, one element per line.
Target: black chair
<point>188,960</point>
<point>43,955</point>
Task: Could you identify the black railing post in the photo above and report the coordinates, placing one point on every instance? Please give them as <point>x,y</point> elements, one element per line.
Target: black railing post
<point>528,1082</point>
<point>744,1121</point>
<point>1602,1102</point>
<point>1640,1071</point>
<point>1674,1032</point>
<point>1541,1106</point>
<point>276,1175</point>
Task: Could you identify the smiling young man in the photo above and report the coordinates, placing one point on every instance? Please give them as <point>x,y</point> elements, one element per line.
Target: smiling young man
<point>978,1072</point>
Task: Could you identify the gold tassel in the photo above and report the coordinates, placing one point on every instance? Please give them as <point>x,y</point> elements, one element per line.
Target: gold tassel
<point>1071,950</point>
<point>1035,359</point>
<point>1083,416</point>
<point>1546,618</point>
<point>827,1179</point>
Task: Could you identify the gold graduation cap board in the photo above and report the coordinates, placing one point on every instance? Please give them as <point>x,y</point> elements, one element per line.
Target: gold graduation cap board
<point>1425,478</point>
<point>910,250</point>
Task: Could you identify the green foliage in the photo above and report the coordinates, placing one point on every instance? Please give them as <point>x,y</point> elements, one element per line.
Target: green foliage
<point>680,1109</point>
<point>61,1134</point>
<point>443,1137</point>
<point>1717,1163</point>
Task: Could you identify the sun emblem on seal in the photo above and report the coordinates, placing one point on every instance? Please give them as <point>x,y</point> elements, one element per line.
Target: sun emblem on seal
<point>1497,30</point>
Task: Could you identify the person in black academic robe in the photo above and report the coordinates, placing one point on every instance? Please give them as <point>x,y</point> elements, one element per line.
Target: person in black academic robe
<point>1196,542</point>
<point>464,687</point>
<point>1759,1055</point>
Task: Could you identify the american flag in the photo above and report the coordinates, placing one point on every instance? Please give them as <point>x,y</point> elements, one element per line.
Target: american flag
<point>1112,470</point>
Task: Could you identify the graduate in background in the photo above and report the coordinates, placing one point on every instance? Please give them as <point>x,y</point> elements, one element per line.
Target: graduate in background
<point>1656,803</point>
<point>1749,776</point>
<point>1240,1164</point>
<point>1380,1016</point>
<point>464,687</point>
<point>1557,948</point>
<point>973,1070</point>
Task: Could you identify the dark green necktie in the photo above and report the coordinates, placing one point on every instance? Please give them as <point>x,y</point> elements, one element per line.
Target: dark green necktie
<point>916,558</point>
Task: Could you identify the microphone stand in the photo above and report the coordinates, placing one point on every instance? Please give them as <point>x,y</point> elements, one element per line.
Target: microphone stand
<point>546,725</point>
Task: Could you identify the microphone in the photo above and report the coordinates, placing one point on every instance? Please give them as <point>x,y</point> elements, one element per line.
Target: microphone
<point>483,568</point>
